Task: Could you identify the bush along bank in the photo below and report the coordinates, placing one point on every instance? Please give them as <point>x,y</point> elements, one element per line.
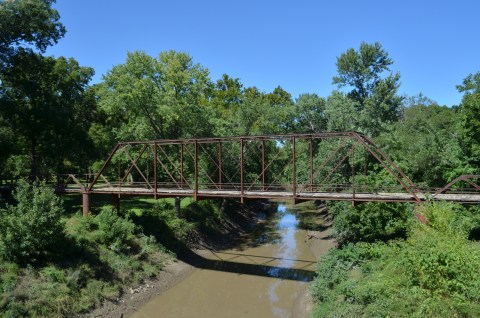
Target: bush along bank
<point>57,266</point>
<point>431,273</point>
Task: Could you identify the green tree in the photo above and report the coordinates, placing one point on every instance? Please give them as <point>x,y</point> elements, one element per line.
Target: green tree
<point>426,145</point>
<point>371,221</point>
<point>470,109</point>
<point>150,98</point>
<point>310,115</point>
<point>47,104</point>
<point>225,103</point>
<point>27,24</point>
<point>375,94</point>
<point>341,112</point>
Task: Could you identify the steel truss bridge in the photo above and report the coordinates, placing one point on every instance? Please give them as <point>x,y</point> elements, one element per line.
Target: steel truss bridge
<point>344,166</point>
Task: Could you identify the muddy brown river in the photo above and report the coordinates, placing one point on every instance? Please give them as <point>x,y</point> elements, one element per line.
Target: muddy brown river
<point>263,277</point>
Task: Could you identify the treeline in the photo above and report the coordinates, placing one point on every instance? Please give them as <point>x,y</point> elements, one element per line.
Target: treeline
<point>53,121</point>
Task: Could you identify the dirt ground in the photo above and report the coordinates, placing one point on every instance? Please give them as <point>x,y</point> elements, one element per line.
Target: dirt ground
<point>136,296</point>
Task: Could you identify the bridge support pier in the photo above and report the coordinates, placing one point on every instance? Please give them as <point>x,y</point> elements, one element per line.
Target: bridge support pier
<point>85,203</point>
<point>116,201</point>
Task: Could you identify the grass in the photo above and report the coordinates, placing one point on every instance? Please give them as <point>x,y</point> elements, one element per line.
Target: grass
<point>132,204</point>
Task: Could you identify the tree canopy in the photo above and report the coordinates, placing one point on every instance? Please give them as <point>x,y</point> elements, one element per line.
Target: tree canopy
<point>27,24</point>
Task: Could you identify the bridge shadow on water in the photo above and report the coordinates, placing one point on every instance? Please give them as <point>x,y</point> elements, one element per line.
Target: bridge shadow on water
<point>232,262</point>
<point>254,268</point>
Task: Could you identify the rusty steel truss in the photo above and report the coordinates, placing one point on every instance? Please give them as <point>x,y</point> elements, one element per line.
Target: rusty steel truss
<point>344,166</point>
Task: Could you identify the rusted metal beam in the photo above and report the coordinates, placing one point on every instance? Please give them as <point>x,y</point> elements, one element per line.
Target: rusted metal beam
<point>263,164</point>
<point>311,165</point>
<point>220,165</point>
<point>294,167</point>
<point>85,203</point>
<point>155,168</point>
<point>241,169</point>
<point>195,195</point>
<point>104,166</point>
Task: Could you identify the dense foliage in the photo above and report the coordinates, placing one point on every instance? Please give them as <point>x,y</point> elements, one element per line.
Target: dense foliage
<point>434,273</point>
<point>32,230</point>
<point>53,121</point>
<point>74,263</point>
<point>370,221</point>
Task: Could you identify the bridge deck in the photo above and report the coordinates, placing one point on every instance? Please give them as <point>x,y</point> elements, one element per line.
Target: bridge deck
<point>282,194</point>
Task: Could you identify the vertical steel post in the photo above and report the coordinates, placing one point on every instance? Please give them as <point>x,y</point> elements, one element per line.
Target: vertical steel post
<point>311,166</point>
<point>220,165</point>
<point>155,168</point>
<point>364,170</point>
<point>195,163</point>
<point>241,170</point>
<point>181,166</point>
<point>85,203</point>
<point>263,164</point>
<point>353,175</point>
<point>294,172</point>
<point>116,201</point>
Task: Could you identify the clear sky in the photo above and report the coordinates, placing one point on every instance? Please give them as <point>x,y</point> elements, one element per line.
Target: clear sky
<point>292,44</point>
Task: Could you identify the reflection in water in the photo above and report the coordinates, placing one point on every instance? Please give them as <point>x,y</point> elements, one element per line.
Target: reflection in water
<point>286,251</point>
<point>261,278</point>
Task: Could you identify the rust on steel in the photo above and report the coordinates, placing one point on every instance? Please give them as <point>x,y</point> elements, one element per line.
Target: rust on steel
<point>315,166</point>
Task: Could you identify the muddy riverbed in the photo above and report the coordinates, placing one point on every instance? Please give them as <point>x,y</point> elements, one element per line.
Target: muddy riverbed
<point>266,275</point>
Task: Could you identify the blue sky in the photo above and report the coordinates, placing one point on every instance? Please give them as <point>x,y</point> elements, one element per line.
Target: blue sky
<point>292,44</point>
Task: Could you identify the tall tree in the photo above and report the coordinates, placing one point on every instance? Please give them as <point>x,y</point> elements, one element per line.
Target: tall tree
<point>25,25</point>
<point>470,109</point>
<point>46,104</point>
<point>375,94</point>
<point>148,98</point>
<point>310,116</point>
<point>44,101</point>
<point>426,144</point>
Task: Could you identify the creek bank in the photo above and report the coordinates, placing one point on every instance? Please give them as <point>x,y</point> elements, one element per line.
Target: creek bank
<point>236,230</point>
<point>136,296</point>
<point>237,221</point>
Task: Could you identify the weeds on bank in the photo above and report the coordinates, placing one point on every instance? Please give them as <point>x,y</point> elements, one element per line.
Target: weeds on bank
<point>56,267</point>
<point>433,273</point>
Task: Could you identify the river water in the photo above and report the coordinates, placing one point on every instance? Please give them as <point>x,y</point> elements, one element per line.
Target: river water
<point>263,277</point>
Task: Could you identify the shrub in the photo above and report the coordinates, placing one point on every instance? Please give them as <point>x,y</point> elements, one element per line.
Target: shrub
<point>166,213</point>
<point>434,273</point>
<point>370,222</point>
<point>113,230</point>
<point>32,230</point>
